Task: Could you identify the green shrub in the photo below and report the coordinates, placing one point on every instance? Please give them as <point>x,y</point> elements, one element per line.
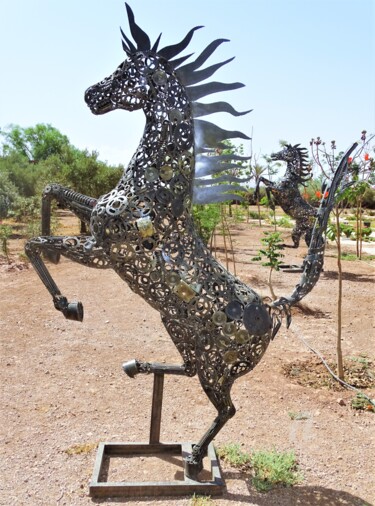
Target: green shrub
<point>233,455</point>
<point>206,218</point>
<point>272,468</point>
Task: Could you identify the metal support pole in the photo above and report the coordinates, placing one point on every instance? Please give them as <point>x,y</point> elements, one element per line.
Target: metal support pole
<point>157,403</point>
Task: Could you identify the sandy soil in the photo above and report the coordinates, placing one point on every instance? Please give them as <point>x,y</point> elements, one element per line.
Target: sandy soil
<point>63,389</point>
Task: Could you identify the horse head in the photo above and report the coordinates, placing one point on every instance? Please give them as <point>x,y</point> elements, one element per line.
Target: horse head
<point>297,162</point>
<point>147,78</point>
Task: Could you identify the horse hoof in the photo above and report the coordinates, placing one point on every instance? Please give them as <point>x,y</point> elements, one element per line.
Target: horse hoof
<point>192,468</point>
<point>131,368</point>
<point>73,311</point>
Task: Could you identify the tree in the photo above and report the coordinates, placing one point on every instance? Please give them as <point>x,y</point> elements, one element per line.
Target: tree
<point>273,245</point>
<point>327,161</point>
<point>35,143</point>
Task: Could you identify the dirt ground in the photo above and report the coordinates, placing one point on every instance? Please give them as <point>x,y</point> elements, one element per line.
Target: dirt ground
<point>63,389</point>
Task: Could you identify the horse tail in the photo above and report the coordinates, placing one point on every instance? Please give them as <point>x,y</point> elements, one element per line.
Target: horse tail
<point>313,262</point>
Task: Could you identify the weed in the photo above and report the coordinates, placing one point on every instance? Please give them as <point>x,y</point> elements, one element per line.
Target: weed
<point>201,500</point>
<point>363,359</point>
<point>298,415</point>
<point>234,456</point>
<point>78,449</point>
<point>361,402</point>
<point>272,468</point>
<point>256,216</point>
<point>284,222</point>
<point>5,233</point>
<point>353,256</point>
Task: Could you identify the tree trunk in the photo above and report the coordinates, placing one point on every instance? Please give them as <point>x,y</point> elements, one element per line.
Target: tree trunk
<point>340,365</point>
<point>273,295</point>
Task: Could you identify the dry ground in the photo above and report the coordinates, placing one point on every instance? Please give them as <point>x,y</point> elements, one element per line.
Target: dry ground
<point>63,388</point>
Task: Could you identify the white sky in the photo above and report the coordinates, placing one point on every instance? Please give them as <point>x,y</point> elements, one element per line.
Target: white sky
<point>308,66</point>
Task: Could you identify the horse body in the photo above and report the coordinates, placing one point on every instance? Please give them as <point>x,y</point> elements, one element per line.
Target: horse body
<point>286,193</point>
<point>143,228</point>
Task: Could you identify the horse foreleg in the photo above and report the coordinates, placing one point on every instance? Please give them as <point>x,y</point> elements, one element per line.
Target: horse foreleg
<point>263,180</point>
<point>80,205</point>
<point>81,249</point>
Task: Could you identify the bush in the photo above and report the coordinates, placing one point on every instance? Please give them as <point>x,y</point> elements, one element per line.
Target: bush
<point>8,194</point>
<point>206,218</point>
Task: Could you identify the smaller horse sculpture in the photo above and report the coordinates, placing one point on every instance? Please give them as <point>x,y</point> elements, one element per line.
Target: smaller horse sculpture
<point>287,195</point>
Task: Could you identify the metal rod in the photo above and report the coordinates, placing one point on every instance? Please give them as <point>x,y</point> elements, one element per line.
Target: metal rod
<point>157,403</point>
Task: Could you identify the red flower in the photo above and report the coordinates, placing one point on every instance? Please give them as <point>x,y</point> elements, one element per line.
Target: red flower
<point>350,159</point>
<point>318,194</point>
<point>326,195</point>
<point>367,157</point>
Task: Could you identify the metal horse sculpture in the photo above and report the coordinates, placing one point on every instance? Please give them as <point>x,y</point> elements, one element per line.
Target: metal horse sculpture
<point>143,228</point>
<point>287,195</point>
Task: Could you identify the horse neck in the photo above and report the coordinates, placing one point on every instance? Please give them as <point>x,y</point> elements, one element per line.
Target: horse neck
<point>158,152</point>
<point>292,169</point>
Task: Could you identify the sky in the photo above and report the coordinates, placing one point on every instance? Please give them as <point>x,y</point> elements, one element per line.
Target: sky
<point>308,66</point>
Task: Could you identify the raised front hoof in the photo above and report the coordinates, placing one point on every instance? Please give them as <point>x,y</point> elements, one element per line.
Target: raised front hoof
<point>192,468</point>
<point>130,368</point>
<point>73,311</point>
<point>52,256</point>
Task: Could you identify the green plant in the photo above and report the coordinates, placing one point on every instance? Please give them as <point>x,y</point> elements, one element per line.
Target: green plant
<point>361,402</point>
<point>79,449</point>
<point>352,256</point>
<point>298,415</point>
<point>206,218</point>
<point>273,245</point>
<point>284,221</point>
<point>346,229</point>
<point>201,500</point>
<point>272,468</point>
<point>256,216</point>
<point>5,233</point>
<point>233,455</point>
<point>26,208</point>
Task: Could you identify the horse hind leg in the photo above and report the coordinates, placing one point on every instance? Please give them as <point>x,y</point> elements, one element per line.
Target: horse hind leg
<point>220,398</point>
<point>182,337</point>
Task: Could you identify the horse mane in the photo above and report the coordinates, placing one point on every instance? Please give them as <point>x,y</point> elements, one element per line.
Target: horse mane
<point>209,138</point>
<point>305,169</point>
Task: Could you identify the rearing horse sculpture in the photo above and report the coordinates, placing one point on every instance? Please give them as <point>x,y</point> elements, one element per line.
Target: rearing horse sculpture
<point>287,195</point>
<point>144,230</point>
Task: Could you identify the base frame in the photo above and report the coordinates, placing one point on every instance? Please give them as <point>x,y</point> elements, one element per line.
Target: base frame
<point>99,487</point>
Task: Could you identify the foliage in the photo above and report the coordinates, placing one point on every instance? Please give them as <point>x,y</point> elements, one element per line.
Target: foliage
<point>272,252</point>
<point>361,402</point>
<point>79,449</point>
<point>234,456</point>
<point>25,208</point>
<point>5,233</point>
<point>273,245</point>
<point>33,157</point>
<point>298,415</point>
<point>8,194</point>
<point>206,218</point>
<point>272,468</point>
<point>35,143</point>
<point>361,174</point>
<point>201,500</point>
<point>284,221</point>
<point>269,468</point>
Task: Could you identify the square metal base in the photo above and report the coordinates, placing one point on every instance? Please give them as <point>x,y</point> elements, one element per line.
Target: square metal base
<point>100,487</point>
